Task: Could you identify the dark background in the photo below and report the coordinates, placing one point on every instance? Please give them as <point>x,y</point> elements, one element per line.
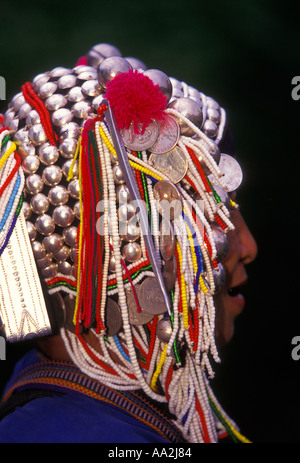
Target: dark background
<point>243,54</point>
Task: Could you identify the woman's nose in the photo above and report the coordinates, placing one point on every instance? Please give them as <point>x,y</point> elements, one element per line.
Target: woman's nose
<point>247,243</point>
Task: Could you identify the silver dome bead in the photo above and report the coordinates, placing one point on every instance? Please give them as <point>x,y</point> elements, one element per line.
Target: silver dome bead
<point>21,136</point>
<point>106,49</point>
<point>48,154</point>
<point>39,204</point>
<point>97,101</point>
<point>26,149</point>
<point>32,232</point>
<point>53,243</point>
<point>34,184</point>
<point>37,134</point>
<point>68,148</point>
<point>75,168</point>
<point>91,88</point>
<point>70,236</point>
<point>90,74</point>
<point>33,118</point>
<point>112,263</point>
<point>136,63</point>
<point>44,261</point>
<point>61,117</point>
<point>62,254</point>
<point>8,117</point>
<point>47,89</point>
<point>82,68</point>
<point>17,101</point>
<point>45,225</point>
<point>50,271</point>
<point>65,268</point>
<point>94,58</point>
<point>211,103</point>
<point>73,188</point>
<point>210,128</point>
<point>118,175</point>
<point>39,250</point>
<point>40,80</point>
<point>66,81</point>
<point>110,68</point>
<point>73,254</point>
<point>81,109</point>
<point>126,212</point>
<point>132,252</point>
<point>162,80</point>
<point>24,111</point>
<point>70,130</point>
<point>58,195</point>
<point>27,211</point>
<point>191,110</point>
<point>31,164</point>
<point>123,194</point>
<point>132,232</point>
<point>55,102</point>
<point>76,210</point>
<point>75,95</point>
<point>52,175</point>
<point>63,216</point>
<point>164,329</point>
<point>214,115</point>
<point>59,71</point>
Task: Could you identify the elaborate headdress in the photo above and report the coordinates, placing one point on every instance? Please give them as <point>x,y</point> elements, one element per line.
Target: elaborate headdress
<point>115,197</point>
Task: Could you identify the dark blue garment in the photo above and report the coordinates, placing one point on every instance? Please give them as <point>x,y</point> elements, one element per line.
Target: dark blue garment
<point>71,418</point>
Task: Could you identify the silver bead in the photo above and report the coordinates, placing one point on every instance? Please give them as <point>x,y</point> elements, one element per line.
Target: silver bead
<point>136,64</point>
<point>123,194</point>
<point>58,195</point>
<point>61,117</point>
<point>55,102</point>
<point>52,175</point>
<point>211,103</point>
<point>118,175</point>
<point>39,250</point>
<point>44,261</point>
<point>68,148</point>
<point>81,109</point>
<point>132,232</point>
<point>91,88</point>
<point>191,110</point>
<point>210,128</point>
<point>90,74</point>
<point>47,89</point>
<point>94,58</point>
<point>112,263</point>
<point>37,134</point>
<point>164,329</point>
<point>75,94</point>
<point>33,118</point>
<point>40,79</point>
<point>50,271</point>
<point>75,168</point>
<point>27,211</point>
<point>17,101</point>
<point>59,71</point>
<point>24,111</point>
<point>21,136</point>
<point>67,81</point>
<point>106,50</point>
<point>70,130</point>
<point>31,231</point>
<point>48,154</point>
<point>76,210</point>
<point>73,188</point>
<point>221,242</point>
<point>97,101</point>
<point>26,149</point>
<point>214,115</point>
<point>219,275</point>
<point>34,184</point>
<point>126,212</point>
<point>45,224</point>
<point>53,243</point>
<point>70,236</point>
<point>63,216</point>
<point>8,117</point>
<point>39,204</point>
<point>62,254</point>
<point>73,254</point>
<point>162,80</point>
<point>82,68</point>
<point>31,164</point>
<point>132,252</point>
<point>65,268</point>
<point>110,68</point>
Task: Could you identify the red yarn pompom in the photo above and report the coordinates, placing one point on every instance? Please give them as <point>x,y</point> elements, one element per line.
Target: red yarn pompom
<point>135,98</point>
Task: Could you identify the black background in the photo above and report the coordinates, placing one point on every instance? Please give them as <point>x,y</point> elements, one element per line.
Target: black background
<point>243,54</point>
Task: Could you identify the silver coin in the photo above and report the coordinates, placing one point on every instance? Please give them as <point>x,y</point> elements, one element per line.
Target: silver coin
<point>140,141</point>
<point>232,172</point>
<point>135,317</point>
<point>114,320</point>
<point>173,164</point>
<point>169,132</point>
<point>151,297</point>
<point>166,240</point>
<point>169,274</point>
<point>167,198</point>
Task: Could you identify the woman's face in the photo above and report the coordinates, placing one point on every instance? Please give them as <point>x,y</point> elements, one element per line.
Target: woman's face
<point>230,301</point>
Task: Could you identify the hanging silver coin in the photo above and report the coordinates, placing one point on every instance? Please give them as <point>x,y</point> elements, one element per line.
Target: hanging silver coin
<point>135,317</point>
<point>167,199</point>
<point>113,317</point>
<point>168,136</point>
<point>173,164</point>
<point>140,141</point>
<point>233,174</point>
<point>151,298</point>
<point>166,240</point>
<point>169,273</point>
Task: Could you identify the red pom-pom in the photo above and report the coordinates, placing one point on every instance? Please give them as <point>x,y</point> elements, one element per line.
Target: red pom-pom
<point>135,99</point>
